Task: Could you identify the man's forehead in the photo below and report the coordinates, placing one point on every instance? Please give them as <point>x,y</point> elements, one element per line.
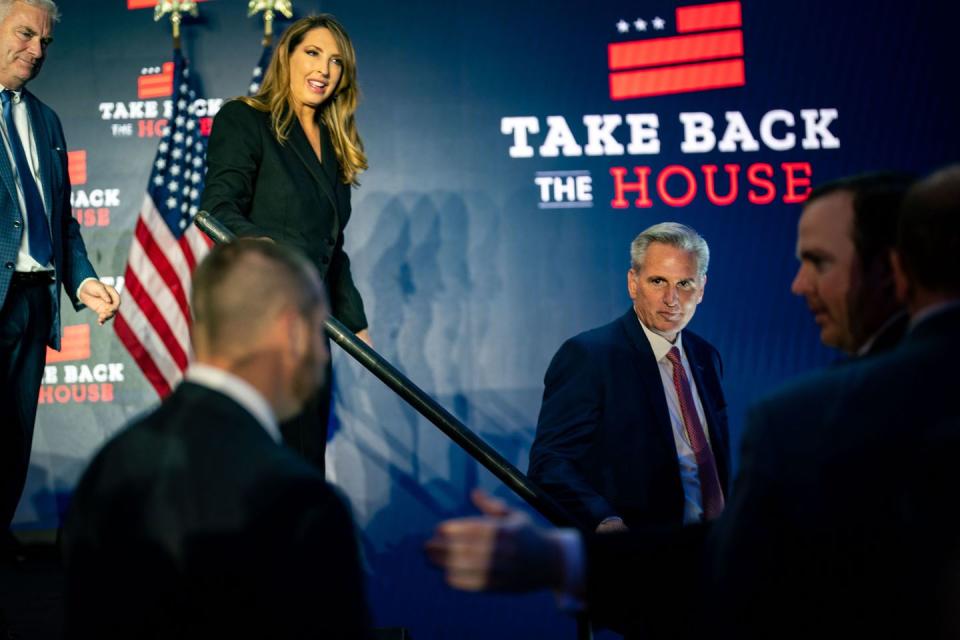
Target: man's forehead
<point>662,259</point>
<point>830,216</point>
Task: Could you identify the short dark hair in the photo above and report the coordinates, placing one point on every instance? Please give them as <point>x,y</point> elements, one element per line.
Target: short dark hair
<point>929,234</point>
<point>877,198</point>
<point>232,297</point>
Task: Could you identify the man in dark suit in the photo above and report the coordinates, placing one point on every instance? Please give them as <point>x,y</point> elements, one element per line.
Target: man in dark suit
<point>842,521</point>
<point>633,426</point>
<point>195,522</point>
<point>40,244</point>
<point>844,237</point>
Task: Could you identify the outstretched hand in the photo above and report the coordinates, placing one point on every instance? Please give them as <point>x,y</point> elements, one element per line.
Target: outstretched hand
<point>502,550</point>
<point>100,298</point>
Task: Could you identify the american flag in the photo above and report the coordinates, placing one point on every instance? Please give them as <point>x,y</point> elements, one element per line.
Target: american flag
<point>260,69</point>
<point>154,318</point>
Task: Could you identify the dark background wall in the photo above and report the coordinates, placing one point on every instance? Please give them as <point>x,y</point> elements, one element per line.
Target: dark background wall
<point>470,284</point>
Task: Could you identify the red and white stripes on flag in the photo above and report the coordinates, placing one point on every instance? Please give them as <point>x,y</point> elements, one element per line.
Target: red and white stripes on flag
<point>154,318</point>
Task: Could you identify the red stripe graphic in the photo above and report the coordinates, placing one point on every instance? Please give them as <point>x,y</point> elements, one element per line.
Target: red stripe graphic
<point>689,77</point>
<point>705,17</point>
<point>77,166</point>
<point>75,344</point>
<point>156,85</point>
<point>649,53</point>
<point>145,4</point>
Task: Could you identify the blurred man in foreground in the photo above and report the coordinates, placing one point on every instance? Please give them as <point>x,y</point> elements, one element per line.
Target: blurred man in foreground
<point>196,521</point>
<point>844,237</point>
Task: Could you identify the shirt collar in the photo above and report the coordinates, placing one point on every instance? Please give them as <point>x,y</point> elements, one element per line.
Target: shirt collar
<point>866,346</point>
<point>932,310</point>
<point>17,94</point>
<point>239,390</point>
<point>660,345</point>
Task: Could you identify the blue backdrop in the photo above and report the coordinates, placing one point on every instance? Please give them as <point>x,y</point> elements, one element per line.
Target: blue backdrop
<point>475,264</point>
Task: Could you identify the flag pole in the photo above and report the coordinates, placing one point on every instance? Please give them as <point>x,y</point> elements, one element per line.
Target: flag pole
<point>269,8</point>
<point>176,9</point>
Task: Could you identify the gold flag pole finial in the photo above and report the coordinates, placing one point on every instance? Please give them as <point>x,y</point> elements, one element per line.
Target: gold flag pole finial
<point>269,9</point>
<point>175,8</point>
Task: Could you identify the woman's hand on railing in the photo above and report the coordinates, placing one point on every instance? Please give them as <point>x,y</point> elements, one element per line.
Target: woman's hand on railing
<point>364,334</point>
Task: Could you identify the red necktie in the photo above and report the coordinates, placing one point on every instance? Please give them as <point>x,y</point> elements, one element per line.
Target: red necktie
<point>710,489</point>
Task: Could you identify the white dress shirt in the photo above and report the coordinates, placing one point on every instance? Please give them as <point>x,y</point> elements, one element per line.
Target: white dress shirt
<point>239,390</point>
<point>692,497</point>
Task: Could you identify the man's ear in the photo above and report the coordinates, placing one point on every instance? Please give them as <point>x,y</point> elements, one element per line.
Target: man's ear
<point>297,333</point>
<point>632,283</point>
<point>901,282</point>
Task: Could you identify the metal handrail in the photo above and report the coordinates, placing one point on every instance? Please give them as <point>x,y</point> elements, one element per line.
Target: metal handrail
<point>429,408</point>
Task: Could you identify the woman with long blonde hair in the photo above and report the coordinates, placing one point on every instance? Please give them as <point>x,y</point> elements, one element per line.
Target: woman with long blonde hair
<point>280,165</point>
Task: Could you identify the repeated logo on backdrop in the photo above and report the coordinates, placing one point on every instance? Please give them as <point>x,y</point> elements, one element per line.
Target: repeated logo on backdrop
<point>148,115</point>
<point>92,205</point>
<point>700,50</point>
<point>69,376</point>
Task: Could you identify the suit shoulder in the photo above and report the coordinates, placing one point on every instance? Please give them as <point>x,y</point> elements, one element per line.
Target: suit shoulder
<point>598,337</point>
<point>237,110</point>
<point>47,113</point>
<point>44,108</point>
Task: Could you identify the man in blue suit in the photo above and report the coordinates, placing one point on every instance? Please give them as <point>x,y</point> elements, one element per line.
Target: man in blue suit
<point>842,521</point>
<point>633,426</point>
<point>40,244</point>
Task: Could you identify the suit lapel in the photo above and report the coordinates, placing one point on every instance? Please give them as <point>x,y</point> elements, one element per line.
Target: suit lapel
<point>329,164</point>
<point>717,441</point>
<point>6,174</point>
<point>649,374</point>
<point>298,142</point>
<point>42,139</point>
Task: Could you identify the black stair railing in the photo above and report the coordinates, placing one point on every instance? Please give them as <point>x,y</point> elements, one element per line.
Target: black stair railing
<point>430,409</point>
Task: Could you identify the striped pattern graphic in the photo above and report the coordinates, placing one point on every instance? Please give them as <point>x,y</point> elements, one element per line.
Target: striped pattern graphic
<point>75,345</point>
<point>156,85</point>
<point>708,54</point>
<point>77,166</point>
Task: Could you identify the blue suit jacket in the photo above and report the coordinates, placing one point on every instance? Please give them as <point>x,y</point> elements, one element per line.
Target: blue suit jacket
<point>604,443</point>
<point>69,254</point>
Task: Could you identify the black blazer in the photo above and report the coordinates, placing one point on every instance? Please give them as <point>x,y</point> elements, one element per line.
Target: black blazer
<point>842,522</point>
<point>258,187</point>
<point>194,523</point>
<point>604,443</point>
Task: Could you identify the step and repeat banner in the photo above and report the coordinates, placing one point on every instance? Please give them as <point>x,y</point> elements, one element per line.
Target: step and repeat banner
<point>515,148</point>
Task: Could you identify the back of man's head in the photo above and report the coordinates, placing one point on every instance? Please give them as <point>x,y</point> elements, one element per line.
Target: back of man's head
<point>928,243</point>
<point>239,290</point>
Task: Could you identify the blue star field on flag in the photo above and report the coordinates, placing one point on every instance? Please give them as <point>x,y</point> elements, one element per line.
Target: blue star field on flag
<point>176,182</point>
<point>260,69</point>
